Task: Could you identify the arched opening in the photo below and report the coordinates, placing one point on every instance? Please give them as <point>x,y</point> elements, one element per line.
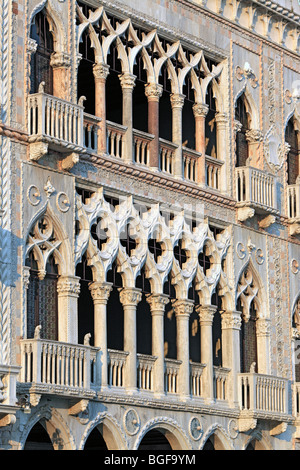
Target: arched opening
<point>242,116</point>
<point>95,441</point>
<point>210,124</point>
<point>188,119</point>
<point>194,326</point>
<point>85,302</point>
<point>155,439</point>
<point>248,340</point>
<point>143,316</point>
<point>170,329</point>
<point>38,439</point>
<point>114,102</point>
<point>40,68</point>
<point>85,76</point>
<point>42,305</point>
<point>139,100</point>
<point>115,314</point>
<point>296,325</point>
<point>208,445</point>
<point>165,109</point>
<point>291,138</point>
<point>217,329</point>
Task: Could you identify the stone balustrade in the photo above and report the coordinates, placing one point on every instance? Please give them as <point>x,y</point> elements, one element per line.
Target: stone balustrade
<point>167,155</point>
<point>293,194</point>
<point>142,142</point>
<point>145,366</point>
<point>213,172</point>
<point>171,375</point>
<point>220,383</point>
<point>91,126</point>
<point>115,139</point>
<point>116,364</point>
<point>256,188</point>
<point>190,166</point>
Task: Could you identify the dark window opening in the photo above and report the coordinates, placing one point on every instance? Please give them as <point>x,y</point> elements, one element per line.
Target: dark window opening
<point>115,315</point>
<point>38,439</point>
<point>95,441</point>
<point>144,318</point>
<point>204,260</point>
<point>85,194</point>
<point>210,125</point>
<point>170,347</point>
<point>241,115</point>
<point>155,248</point>
<point>217,330</point>
<point>291,138</point>
<point>127,241</point>
<point>40,68</point>
<point>194,326</point>
<point>85,302</point>
<point>180,254</point>
<point>99,233</point>
<point>248,340</point>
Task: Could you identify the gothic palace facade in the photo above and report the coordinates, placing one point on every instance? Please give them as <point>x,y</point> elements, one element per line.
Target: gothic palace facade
<point>150,224</point>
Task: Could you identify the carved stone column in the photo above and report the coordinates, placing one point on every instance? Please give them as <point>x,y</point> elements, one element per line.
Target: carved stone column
<point>200,113</point>
<point>61,66</point>
<point>231,325</point>
<point>101,72</point>
<point>129,298</point>
<point>263,345</point>
<point>177,102</point>
<point>153,92</point>
<point>255,158</point>
<point>157,306</point>
<point>128,83</point>
<point>206,315</point>
<point>183,309</point>
<point>100,292</point>
<point>68,289</point>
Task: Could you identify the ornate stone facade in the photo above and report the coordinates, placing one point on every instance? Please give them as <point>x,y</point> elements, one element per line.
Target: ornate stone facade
<point>172,269</point>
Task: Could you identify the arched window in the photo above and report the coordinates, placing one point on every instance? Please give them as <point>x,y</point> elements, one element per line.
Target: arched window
<point>85,76</point>
<point>170,321</point>
<point>194,326</point>
<point>242,116</point>
<point>85,302</point>
<point>115,314</point>
<point>41,70</point>
<point>210,124</point>
<point>42,307</point>
<point>143,316</point>
<point>38,439</point>
<point>291,138</point>
<point>217,330</point>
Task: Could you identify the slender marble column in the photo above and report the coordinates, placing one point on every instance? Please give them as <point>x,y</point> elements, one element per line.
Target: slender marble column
<point>157,306</point>
<point>129,298</point>
<point>68,289</point>
<point>231,325</point>
<point>206,315</point>
<point>127,81</point>
<point>153,92</point>
<point>183,309</point>
<point>263,345</point>
<point>177,102</point>
<point>101,72</point>
<point>100,292</point>
<point>200,112</point>
<point>61,66</point>
<point>255,139</point>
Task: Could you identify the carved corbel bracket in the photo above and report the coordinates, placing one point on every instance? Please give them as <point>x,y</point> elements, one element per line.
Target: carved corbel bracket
<point>7,419</point>
<point>37,150</point>
<point>247,424</point>
<point>35,398</point>
<point>279,429</point>
<point>295,229</point>
<point>69,161</point>
<point>267,221</point>
<point>79,407</point>
<point>245,213</point>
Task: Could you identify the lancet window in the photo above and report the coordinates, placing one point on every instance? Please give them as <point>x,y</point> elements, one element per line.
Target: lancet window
<point>41,70</point>
<point>292,138</point>
<point>242,116</point>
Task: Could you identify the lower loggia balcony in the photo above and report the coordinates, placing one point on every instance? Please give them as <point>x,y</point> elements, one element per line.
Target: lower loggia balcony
<point>293,201</point>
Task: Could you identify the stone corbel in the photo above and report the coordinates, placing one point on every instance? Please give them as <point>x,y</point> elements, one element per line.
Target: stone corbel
<point>79,407</point>
<point>69,161</point>
<point>37,150</point>
<point>267,221</point>
<point>295,229</point>
<point>35,398</point>
<point>245,213</point>
<point>7,419</point>
<point>279,429</point>
<point>247,424</point>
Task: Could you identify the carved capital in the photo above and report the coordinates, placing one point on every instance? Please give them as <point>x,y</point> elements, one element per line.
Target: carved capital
<point>153,91</point>
<point>130,297</point>
<point>101,71</point>
<point>100,292</point>
<point>127,81</point>
<point>183,307</point>
<point>254,136</point>
<point>237,126</point>
<point>60,59</point>
<point>177,100</point>
<point>157,303</point>
<point>263,327</point>
<point>68,285</point>
<point>231,320</point>
<point>206,314</point>
<point>200,110</point>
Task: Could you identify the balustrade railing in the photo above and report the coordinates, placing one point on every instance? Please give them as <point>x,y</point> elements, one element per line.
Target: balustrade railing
<point>116,364</point>
<point>115,134</point>
<point>294,201</point>
<point>145,371</point>
<point>171,375</point>
<point>255,187</point>
<point>190,158</point>
<point>55,119</point>
<point>196,370</point>
<point>213,172</point>
<point>265,393</point>
<point>296,394</point>
<point>56,363</point>
<point>220,383</point>
<point>91,125</point>
<point>166,157</point>
<point>141,142</point>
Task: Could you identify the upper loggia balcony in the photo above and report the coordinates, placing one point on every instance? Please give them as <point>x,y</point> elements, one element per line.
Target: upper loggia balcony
<point>293,201</point>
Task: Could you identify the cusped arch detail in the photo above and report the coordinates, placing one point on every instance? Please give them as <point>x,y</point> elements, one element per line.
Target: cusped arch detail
<point>113,434</point>
<point>224,441</point>
<point>175,434</point>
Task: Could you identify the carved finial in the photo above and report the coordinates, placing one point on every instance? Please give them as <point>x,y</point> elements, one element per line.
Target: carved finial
<point>81,100</point>
<point>42,87</point>
<point>86,340</point>
<point>37,332</point>
<point>49,188</point>
<point>252,368</point>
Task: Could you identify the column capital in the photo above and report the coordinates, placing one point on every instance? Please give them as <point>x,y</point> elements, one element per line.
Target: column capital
<point>231,320</point>
<point>101,71</point>
<point>206,313</point>
<point>130,296</point>
<point>153,91</point>
<point>100,291</point>
<point>221,119</point>
<point>26,276</point>
<point>183,307</point>
<point>177,100</point>
<point>60,59</point>
<point>200,110</point>
<point>263,327</point>
<point>254,136</point>
<point>237,126</point>
<point>127,81</point>
<point>157,303</point>
<point>68,285</point>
